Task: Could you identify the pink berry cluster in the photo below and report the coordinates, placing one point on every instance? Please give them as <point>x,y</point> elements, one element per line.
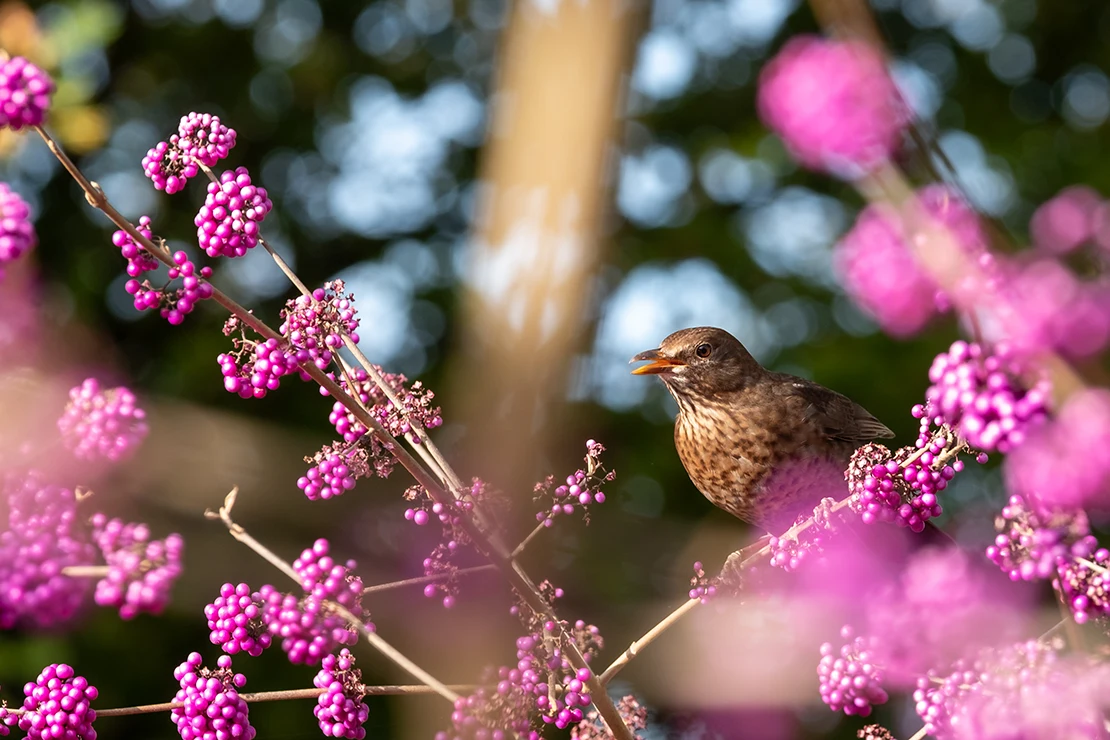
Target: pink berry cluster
<point>106,424</point>
<point>702,587</point>
<point>235,620</point>
<point>266,363</point>
<point>141,571</point>
<point>850,679</point>
<point>340,709</point>
<point>634,714</point>
<point>253,368</point>
<point>25,92</point>
<point>1030,543</point>
<point>138,259</point>
<point>227,223</point>
<point>416,405</point>
<point>494,714</point>
<point>881,272</point>
<point>44,536</point>
<point>308,625</point>
<point>544,672</point>
<point>441,561</point>
<point>939,606</point>
<point>1065,464</point>
<point>543,681</point>
<point>335,469</point>
<point>173,304</point>
<point>201,139</point>
<point>58,706</point>
<point>1034,544</point>
<point>582,488</point>
<point>901,487</point>
<point>359,454</point>
<point>212,706</point>
<point>791,551</point>
<point>1024,690</point>
<point>17,234</point>
<point>1083,581</point>
<point>318,323</point>
<point>977,392</point>
<point>833,103</point>
<point>1075,216</point>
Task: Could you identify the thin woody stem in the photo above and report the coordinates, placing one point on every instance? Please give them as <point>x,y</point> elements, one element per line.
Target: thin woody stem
<point>265,696</point>
<point>86,571</point>
<point>425,579</point>
<point>527,540</point>
<point>482,535</point>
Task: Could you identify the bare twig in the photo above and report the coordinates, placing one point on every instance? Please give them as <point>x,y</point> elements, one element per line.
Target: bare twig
<point>425,579</point>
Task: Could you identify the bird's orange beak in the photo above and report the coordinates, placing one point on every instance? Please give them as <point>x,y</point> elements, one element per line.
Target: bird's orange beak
<point>659,363</point>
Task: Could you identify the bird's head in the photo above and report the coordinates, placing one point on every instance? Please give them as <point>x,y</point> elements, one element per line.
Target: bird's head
<point>702,361</point>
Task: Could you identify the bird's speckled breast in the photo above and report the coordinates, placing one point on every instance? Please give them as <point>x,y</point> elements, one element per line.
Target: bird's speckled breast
<point>751,464</point>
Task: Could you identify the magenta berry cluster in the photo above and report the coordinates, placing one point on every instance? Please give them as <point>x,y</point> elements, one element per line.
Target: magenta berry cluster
<point>1083,581</point>
<point>416,405</point>
<point>17,234</point>
<point>173,304</point>
<point>204,138</point>
<point>359,454</point>
<point>44,536</point>
<point>201,139</point>
<point>500,713</point>
<point>1023,690</point>
<point>316,324</point>
<point>850,679</point>
<point>235,620</point>
<point>581,489</point>
<point>308,625</point>
<point>25,92</point>
<point>138,259</point>
<point>880,271</point>
<point>902,487</point>
<point>702,587</point>
<point>1029,544</point>
<point>102,424</point>
<point>977,391</point>
<point>256,368</point>
<point>544,671</point>
<point>227,223</point>
<point>141,571</point>
<point>212,706</point>
<point>833,103</point>
<point>340,709</point>
<point>335,470</point>
<point>632,712</point>
<point>1064,464</point>
<point>58,706</point>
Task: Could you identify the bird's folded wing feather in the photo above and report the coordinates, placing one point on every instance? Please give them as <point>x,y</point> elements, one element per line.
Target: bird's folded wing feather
<point>840,417</point>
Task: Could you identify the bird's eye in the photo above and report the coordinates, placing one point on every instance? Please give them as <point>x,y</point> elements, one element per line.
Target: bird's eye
<point>703,350</point>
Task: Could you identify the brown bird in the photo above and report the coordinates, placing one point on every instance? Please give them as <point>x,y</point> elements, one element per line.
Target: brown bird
<point>763,446</point>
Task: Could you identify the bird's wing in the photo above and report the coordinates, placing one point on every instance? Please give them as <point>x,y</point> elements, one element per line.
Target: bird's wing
<point>840,417</point>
